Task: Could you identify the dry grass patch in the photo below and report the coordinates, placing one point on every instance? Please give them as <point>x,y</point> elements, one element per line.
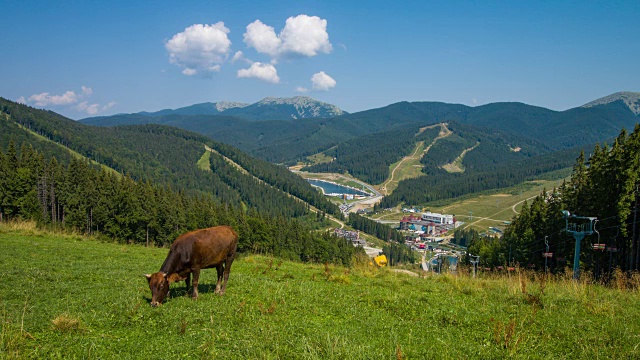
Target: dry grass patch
<point>65,323</point>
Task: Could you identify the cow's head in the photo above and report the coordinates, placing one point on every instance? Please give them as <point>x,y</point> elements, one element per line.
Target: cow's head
<point>159,285</point>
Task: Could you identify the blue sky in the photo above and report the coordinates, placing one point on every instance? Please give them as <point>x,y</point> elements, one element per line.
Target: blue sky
<point>84,58</point>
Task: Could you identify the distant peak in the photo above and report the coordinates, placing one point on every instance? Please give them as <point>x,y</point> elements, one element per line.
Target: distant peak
<point>304,106</point>
<point>224,105</point>
<point>631,99</point>
<point>288,100</point>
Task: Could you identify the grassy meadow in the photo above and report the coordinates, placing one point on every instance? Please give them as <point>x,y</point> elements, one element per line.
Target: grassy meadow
<point>482,211</point>
<point>485,210</point>
<point>67,296</point>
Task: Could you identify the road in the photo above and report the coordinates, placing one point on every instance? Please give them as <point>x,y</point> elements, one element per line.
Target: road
<point>358,204</point>
<point>368,201</point>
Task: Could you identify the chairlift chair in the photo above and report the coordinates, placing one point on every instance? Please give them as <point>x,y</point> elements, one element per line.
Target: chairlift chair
<point>598,246</point>
<point>613,248</point>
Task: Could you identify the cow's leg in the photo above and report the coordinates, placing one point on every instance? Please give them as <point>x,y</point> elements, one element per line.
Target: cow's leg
<point>196,277</point>
<point>220,271</point>
<point>227,270</point>
<point>187,282</point>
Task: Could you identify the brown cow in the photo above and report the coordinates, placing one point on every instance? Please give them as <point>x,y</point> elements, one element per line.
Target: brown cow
<point>191,252</point>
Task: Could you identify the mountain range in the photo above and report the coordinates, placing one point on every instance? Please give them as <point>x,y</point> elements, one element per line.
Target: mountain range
<point>288,141</point>
<point>504,143</point>
<point>366,143</point>
<point>270,108</point>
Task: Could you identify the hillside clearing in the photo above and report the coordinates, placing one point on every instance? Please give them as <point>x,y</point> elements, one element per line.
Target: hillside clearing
<point>456,166</point>
<point>204,161</point>
<point>409,166</point>
<point>68,296</point>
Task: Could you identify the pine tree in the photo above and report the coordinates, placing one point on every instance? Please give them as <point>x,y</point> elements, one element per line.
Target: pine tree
<point>10,183</point>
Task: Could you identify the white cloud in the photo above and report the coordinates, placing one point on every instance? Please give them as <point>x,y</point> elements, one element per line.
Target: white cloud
<point>258,70</point>
<point>89,109</point>
<point>200,48</point>
<point>46,99</point>
<point>301,89</point>
<point>93,108</point>
<point>305,35</point>
<point>302,35</point>
<point>322,81</point>
<point>109,105</point>
<point>263,38</point>
<point>239,55</point>
<point>69,98</point>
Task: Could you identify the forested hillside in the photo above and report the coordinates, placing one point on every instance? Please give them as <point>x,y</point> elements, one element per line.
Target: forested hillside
<point>604,185</point>
<point>77,196</point>
<point>368,157</point>
<point>167,156</point>
<point>494,160</point>
<point>277,176</point>
<point>156,186</point>
<point>441,185</point>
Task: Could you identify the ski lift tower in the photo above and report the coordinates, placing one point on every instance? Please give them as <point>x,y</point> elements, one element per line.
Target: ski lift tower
<point>579,227</point>
<point>474,259</point>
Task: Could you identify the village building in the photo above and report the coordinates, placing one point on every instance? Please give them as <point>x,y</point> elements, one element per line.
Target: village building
<point>438,218</point>
<point>353,236</point>
<point>428,223</point>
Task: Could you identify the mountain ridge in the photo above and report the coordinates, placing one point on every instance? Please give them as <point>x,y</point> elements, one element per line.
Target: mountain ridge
<point>268,108</point>
<point>288,140</point>
<point>631,99</point>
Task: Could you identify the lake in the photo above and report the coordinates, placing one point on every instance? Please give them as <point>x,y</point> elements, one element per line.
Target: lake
<point>331,188</point>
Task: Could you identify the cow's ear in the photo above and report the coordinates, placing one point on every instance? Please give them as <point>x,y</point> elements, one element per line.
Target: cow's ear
<point>148,276</point>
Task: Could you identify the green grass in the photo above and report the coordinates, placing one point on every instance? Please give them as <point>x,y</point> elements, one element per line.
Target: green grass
<point>407,167</point>
<point>485,210</point>
<point>457,166</point>
<point>319,158</point>
<point>204,162</point>
<point>65,296</point>
<point>411,168</point>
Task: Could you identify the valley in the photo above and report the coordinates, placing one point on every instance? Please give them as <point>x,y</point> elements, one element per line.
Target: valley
<point>424,155</point>
<point>384,180</point>
<point>385,147</point>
